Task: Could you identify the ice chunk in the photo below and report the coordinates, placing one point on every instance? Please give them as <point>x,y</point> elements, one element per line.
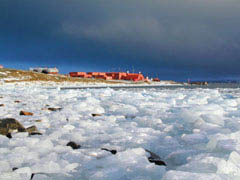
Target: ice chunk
<point>179,157</point>
<point>69,127</point>
<point>225,167</point>
<point>130,164</point>
<point>46,167</point>
<point>4,150</point>
<point>44,147</point>
<point>20,135</point>
<point>182,175</point>
<point>11,176</point>
<point>24,172</point>
<point>71,167</point>
<point>3,140</point>
<point>92,100</point>
<point>99,110</point>
<point>194,138</point>
<point>4,166</point>
<point>234,158</point>
<point>231,166</point>
<point>226,145</point>
<point>203,163</point>
<point>214,119</point>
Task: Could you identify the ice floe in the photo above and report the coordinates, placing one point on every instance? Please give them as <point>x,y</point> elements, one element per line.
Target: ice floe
<point>195,132</point>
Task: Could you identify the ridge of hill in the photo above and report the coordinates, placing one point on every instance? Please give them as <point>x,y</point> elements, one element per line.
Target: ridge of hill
<point>14,75</point>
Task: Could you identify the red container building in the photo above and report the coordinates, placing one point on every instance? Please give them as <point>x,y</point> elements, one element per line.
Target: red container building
<point>134,77</point>
<point>109,75</point>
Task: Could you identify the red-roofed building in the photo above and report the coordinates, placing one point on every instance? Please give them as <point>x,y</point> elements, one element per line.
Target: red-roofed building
<point>1,66</point>
<point>156,79</point>
<point>134,77</point>
<point>117,75</point>
<point>109,75</point>
<point>80,74</point>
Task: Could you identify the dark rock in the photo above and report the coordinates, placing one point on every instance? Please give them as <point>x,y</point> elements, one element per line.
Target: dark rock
<point>73,145</point>
<point>8,125</point>
<point>32,176</point>
<point>32,130</point>
<point>130,116</point>
<point>94,114</point>
<point>1,105</point>
<point>34,133</point>
<point>9,135</point>
<point>157,162</point>
<point>17,101</point>
<point>54,109</point>
<point>154,158</point>
<point>38,120</point>
<point>14,168</point>
<point>113,151</point>
<point>25,113</point>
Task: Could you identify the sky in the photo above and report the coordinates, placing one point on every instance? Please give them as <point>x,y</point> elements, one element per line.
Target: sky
<point>168,39</point>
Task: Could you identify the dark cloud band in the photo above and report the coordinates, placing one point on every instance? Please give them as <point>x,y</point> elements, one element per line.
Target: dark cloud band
<point>154,34</point>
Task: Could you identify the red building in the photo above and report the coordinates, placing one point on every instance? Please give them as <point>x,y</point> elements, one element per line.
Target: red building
<point>1,66</point>
<point>117,75</point>
<point>156,79</point>
<point>134,77</point>
<point>78,74</point>
<point>109,75</point>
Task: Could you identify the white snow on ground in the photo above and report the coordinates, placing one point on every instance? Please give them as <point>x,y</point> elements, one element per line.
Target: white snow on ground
<point>3,73</point>
<point>196,132</point>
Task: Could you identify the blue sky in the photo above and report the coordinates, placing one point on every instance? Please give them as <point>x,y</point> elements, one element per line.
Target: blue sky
<point>171,39</point>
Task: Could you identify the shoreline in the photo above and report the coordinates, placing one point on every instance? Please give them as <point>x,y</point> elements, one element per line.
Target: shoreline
<point>120,86</point>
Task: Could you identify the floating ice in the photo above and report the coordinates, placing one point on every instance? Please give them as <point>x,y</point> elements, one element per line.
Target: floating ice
<point>194,131</point>
<point>183,175</point>
<point>24,172</point>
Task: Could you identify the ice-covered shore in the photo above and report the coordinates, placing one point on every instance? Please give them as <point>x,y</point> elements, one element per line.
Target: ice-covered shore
<point>195,131</point>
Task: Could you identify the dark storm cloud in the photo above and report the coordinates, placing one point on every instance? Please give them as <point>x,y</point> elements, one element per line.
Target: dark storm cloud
<point>155,34</point>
